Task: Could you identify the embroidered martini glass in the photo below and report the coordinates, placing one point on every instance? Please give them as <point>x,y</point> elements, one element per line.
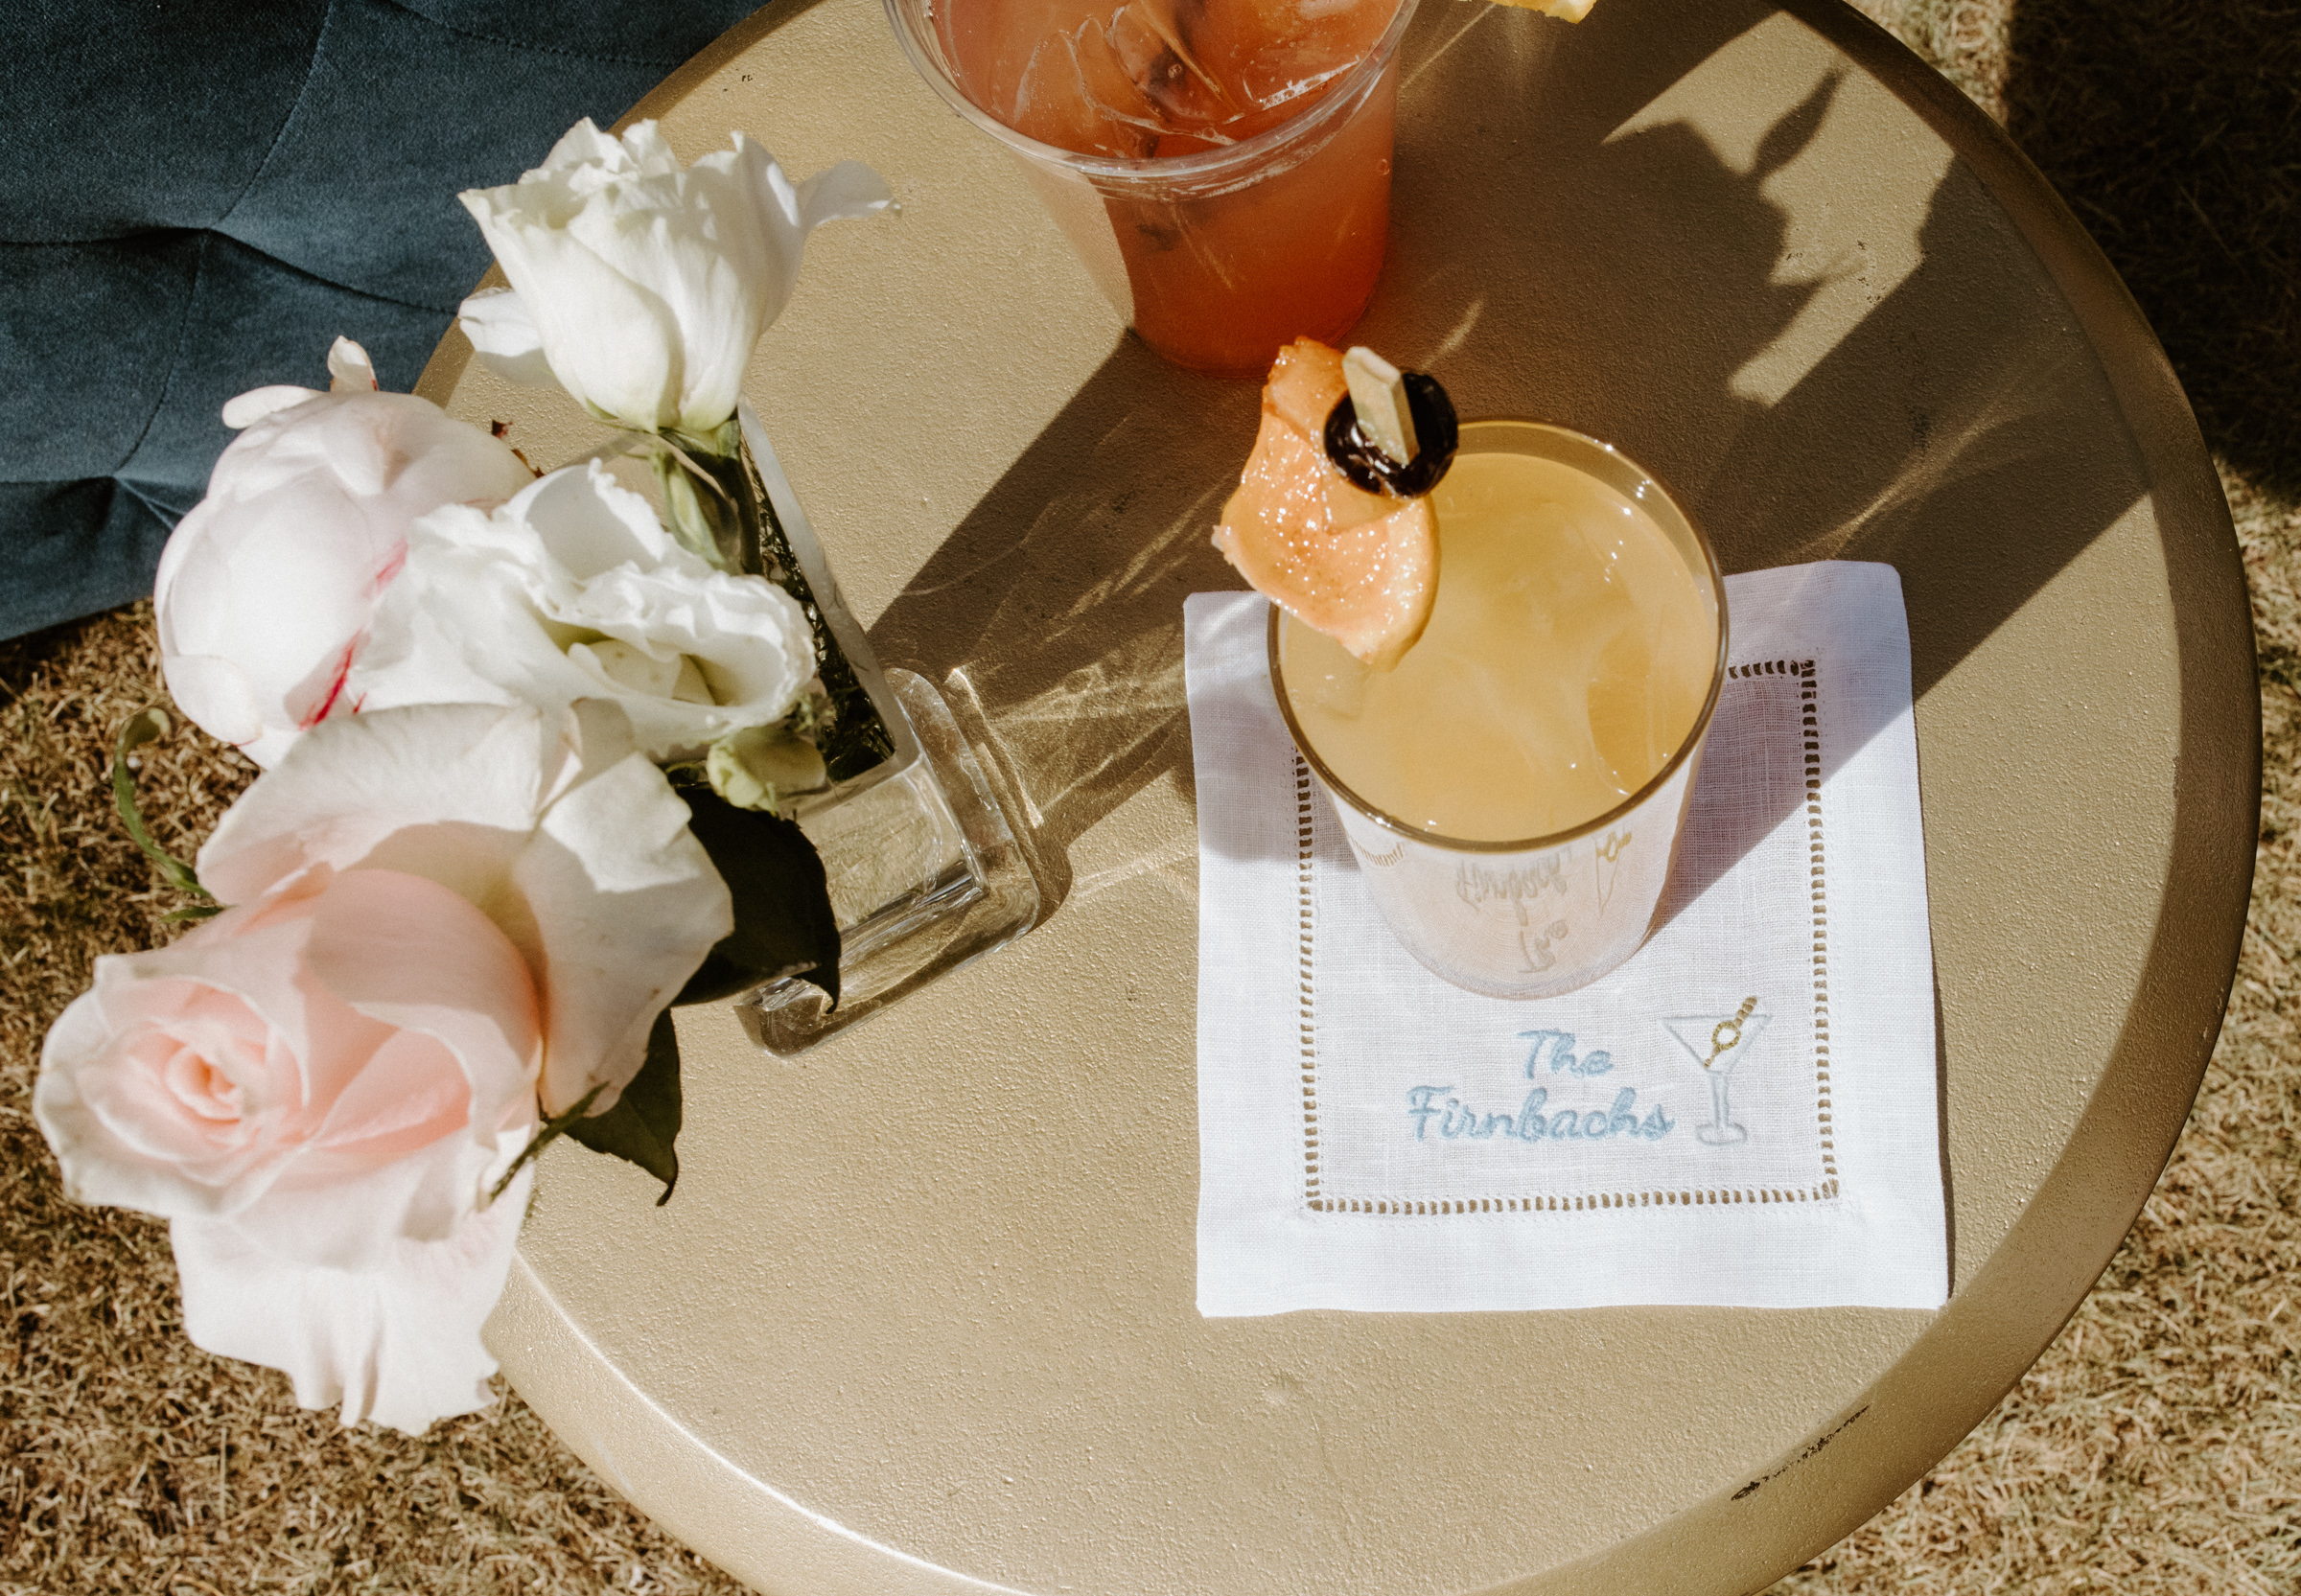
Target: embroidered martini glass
<point>1718,1043</point>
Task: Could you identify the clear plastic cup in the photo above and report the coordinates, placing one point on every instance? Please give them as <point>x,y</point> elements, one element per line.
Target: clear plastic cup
<point>1220,258</point>
<point>1535,916</point>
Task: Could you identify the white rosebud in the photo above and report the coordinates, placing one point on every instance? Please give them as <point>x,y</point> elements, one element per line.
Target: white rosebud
<point>265,588</point>
<point>640,286</point>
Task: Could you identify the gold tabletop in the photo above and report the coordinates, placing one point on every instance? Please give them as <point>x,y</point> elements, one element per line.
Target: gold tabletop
<point>920,1317</point>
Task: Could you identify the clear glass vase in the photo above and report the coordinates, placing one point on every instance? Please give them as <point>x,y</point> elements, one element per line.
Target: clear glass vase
<point>924,868</point>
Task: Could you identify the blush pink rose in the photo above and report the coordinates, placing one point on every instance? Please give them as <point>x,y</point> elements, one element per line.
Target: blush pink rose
<point>437,909</point>
<point>266,586</point>
<point>555,821</point>
<point>332,1075</point>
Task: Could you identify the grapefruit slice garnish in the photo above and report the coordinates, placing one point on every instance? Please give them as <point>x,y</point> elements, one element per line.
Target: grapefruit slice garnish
<point>1361,567</point>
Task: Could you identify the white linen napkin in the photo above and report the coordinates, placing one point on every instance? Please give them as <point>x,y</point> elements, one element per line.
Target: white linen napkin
<point>1372,1137</point>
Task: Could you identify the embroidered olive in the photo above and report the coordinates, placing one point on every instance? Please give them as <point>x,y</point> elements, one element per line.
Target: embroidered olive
<point>1436,432</point>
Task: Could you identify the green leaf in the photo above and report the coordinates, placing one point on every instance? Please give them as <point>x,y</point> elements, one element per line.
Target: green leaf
<point>192,911</point>
<point>783,920</point>
<point>642,1128</point>
<point>148,726</point>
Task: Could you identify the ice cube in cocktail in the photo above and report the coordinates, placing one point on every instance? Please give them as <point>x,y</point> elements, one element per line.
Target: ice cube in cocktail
<point>1153,78</point>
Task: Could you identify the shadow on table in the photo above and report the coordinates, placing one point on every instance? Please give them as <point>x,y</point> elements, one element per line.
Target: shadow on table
<point>1616,281</point>
<point>2173,135</point>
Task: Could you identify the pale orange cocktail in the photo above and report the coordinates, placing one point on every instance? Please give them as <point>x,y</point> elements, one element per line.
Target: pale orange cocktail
<point>1566,659</point>
<point>1515,787</point>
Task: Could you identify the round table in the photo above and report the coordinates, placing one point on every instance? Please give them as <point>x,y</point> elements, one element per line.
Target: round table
<point>920,1317</point>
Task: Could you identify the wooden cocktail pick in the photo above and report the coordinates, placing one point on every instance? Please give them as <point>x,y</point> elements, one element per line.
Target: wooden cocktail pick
<point>1377,390</point>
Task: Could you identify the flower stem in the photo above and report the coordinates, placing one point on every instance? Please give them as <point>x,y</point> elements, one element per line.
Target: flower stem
<point>550,1131</point>
<point>733,523</point>
<point>149,726</point>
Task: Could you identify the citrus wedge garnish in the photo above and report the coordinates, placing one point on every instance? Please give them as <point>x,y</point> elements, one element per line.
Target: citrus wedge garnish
<point>1361,567</point>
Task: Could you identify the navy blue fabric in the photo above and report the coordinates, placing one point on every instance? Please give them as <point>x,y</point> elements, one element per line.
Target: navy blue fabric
<point>196,197</point>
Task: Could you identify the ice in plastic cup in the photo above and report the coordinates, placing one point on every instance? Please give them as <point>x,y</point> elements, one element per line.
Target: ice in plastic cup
<point>1215,252</point>
<point>1514,790</point>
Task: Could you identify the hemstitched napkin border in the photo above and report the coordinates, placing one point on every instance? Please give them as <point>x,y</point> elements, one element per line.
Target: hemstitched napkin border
<point>1278,1230</point>
<point>1317,834</point>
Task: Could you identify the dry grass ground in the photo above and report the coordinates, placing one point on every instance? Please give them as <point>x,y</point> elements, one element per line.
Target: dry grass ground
<point>2155,1448</point>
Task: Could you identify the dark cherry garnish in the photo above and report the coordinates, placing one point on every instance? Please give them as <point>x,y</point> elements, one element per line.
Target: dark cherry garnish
<point>1436,431</point>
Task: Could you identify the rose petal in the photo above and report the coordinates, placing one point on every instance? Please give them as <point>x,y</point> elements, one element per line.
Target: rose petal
<point>409,952</point>
<point>398,1344</point>
<point>326,1217</point>
<point>455,783</point>
<point>216,693</point>
<point>617,853</point>
<point>253,406</point>
<point>504,337</point>
<point>576,848</point>
<point>349,369</point>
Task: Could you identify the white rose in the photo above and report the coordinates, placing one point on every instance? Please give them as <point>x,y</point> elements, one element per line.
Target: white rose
<point>265,588</point>
<point>435,910</point>
<point>640,286</point>
<point>573,590</point>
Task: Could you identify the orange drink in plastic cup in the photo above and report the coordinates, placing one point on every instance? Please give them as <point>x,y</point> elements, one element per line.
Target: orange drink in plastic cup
<point>1222,167</point>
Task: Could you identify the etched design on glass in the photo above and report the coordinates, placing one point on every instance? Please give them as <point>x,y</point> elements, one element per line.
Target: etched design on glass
<point>1606,862</point>
<point>1515,884</point>
<point>1518,886</point>
<point>1535,943</point>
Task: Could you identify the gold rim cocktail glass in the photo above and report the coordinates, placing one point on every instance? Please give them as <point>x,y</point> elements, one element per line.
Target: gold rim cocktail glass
<point>1535,916</point>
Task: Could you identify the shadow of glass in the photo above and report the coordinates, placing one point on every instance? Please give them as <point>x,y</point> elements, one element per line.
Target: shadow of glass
<point>1556,264</point>
<point>2174,134</point>
<point>1060,593</point>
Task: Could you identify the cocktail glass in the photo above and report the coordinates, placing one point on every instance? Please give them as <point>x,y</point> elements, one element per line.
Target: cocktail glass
<point>1217,258</point>
<point>1717,1044</point>
<point>1540,915</point>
